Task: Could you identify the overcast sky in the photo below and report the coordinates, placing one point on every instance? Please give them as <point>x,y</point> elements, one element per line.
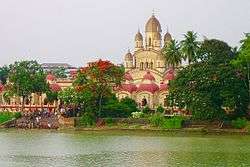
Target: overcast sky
<point>79,31</point>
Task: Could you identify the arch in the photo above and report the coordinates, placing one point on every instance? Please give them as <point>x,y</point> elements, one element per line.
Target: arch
<point>146,65</point>
<point>141,65</point>
<point>144,102</point>
<point>151,65</point>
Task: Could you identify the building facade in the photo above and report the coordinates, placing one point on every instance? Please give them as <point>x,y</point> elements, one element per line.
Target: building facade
<point>147,75</point>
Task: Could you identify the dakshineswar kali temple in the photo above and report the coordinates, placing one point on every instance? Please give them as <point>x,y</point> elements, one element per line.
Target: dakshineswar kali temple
<point>146,78</point>
<point>147,75</point>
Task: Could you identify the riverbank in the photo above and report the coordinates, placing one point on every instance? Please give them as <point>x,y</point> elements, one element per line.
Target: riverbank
<point>201,131</point>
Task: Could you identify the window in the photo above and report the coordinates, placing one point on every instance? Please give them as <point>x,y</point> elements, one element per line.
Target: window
<point>141,65</point>
<point>146,65</point>
<point>151,65</point>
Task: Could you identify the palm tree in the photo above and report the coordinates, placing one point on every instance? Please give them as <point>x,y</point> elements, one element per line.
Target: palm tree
<point>190,46</point>
<point>172,54</point>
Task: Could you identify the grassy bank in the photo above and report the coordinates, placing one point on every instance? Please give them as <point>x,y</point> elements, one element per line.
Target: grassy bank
<point>7,116</point>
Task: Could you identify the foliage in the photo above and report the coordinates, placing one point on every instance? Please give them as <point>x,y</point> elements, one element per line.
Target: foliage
<point>172,123</point>
<point>239,123</point>
<point>146,110</point>
<point>60,72</point>
<point>109,121</point>
<point>210,90</point>
<point>83,99</point>
<point>7,116</point>
<point>118,109</point>
<point>26,77</point>
<point>87,119</point>
<point>51,96</point>
<point>157,120</point>
<point>190,46</point>
<point>4,71</point>
<point>172,54</point>
<point>99,78</point>
<point>160,109</point>
<point>215,52</point>
<point>242,61</point>
<point>137,114</point>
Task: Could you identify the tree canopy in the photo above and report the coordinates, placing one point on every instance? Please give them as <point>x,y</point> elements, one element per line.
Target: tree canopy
<point>211,88</point>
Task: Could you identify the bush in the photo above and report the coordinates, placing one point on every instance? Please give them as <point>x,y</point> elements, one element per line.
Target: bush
<point>173,123</point>
<point>87,120</point>
<point>239,123</point>
<point>146,110</point>
<point>160,109</point>
<point>118,109</point>
<point>137,114</point>
<point>109,121</point>
<point>157,120</point>
<point>18,115</point>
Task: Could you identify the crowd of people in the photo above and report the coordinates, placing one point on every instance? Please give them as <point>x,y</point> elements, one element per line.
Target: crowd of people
<point>38,119</point>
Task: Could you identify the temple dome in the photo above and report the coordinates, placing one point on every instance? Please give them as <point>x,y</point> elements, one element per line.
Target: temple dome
<point>153,25</point>
<point>138,36</point>
<point>128,56</point>
<point>148,87</point>
<point>167,37</point>
<point>128,87</point>
<point>158,36</point>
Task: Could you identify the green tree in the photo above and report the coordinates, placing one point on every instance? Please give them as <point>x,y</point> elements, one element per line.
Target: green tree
<point>4,71</point>
<point>242,61</point>
<point>26,77</point>
<point>99,78</point>
<point>172,54</point>
<point>212,88</point>
<point>190,46</point>
<point>215,52</point>
<point>60,72</point>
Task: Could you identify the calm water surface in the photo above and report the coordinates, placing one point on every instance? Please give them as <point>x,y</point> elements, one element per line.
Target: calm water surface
<point>20,148</point>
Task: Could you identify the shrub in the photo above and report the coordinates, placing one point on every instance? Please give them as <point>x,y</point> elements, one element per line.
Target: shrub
<point>239,123</point>
<point>160,109</point>
<point>109,121</point>
<point>173,123</point>
<point>87,120</point>
<point>119,109</point>
<point>18,115</point>
<point>146,110</point>
<point>137,114</point>
<point>157,120</point>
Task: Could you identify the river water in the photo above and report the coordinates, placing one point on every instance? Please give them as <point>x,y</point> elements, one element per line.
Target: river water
<point>38,148</point>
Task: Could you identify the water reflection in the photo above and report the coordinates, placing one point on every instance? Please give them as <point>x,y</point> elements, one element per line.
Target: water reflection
<point>46,149</point>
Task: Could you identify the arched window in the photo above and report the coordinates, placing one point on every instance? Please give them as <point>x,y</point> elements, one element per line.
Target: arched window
<point>146,65</point>
<point>144,102</point>
<point>141,65</point>
<point>151,65</point>
<point>149,42</point>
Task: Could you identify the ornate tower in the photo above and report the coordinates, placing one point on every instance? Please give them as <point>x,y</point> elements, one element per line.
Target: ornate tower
<point>138,41</point>
<point>128,61</point>
<point>153,34</point>
<point>167,38</point>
